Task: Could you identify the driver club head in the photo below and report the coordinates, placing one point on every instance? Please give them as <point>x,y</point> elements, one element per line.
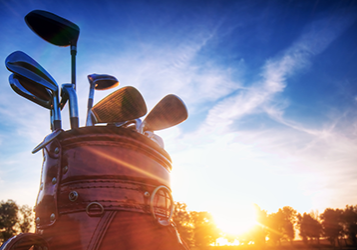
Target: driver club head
<point>168,112</point>
<point>52,28</point>
<point>122,105</point>
<point>55,30</point>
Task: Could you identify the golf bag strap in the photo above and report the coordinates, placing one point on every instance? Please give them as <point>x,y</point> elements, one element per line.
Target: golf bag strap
<point>103,225</point>
<point>25,241</point>
<point>101,230</point>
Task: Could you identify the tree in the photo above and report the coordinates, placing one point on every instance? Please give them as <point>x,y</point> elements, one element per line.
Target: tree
<point>182,219</point>
<point>259,231</point>
<point>289,220</point>
<point>205,231</point>
<point>8,219</point>
<point>274,225</point>
<point>331,224</point>
<point>309,227</point>
<point>26,219</point>
<point>281,225</point>
<point>14,219</point>
<point>349,222</point>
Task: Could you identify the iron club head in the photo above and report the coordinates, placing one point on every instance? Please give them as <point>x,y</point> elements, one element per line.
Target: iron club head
<point>168,112</point>
<point>122,105</point>
<point>37,81</point>
<point>21,86</point>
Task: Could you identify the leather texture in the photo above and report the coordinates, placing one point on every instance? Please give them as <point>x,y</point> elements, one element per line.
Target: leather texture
<point>96,192</point>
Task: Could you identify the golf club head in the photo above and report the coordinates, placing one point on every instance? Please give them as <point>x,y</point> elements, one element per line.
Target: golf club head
<point>21,64</point>
<point>168,112</point>
<point>68,93</point>
<point>21,86</point>
<point>52,28</point>
<point>102,81</point>
<point>98,82</point>
<point>122,105</point>
<point>37,80</point>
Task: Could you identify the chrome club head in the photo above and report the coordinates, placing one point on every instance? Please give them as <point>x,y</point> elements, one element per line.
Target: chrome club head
<point>99,82</point>
<point>168,112</point>
<point>37,81</point>
<point>24,88</point>
<point>122,105</point>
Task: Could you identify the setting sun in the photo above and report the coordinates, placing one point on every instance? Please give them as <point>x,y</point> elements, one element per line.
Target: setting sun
<point>236,222</point>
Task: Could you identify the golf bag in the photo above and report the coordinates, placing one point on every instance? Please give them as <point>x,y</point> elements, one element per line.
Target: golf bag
<point>103,188</point>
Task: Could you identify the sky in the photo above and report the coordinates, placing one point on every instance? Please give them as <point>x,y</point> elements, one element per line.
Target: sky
<point>270,87</point>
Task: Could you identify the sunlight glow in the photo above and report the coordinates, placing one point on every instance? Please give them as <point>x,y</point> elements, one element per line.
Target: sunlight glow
<point>224,242</point>
<point>236,222</point>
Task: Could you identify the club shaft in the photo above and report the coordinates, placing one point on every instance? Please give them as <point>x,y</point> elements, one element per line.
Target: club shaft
<point>90,104</point>
<point>57,123</point>
<point>69,92</point>
<point>73,64</point>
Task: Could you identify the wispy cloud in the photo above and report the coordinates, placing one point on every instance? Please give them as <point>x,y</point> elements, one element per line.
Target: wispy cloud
<point>276,71</point>
<point>291,161</point>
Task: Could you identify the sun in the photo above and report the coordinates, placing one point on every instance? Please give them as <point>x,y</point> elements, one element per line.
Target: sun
<point>236,222</point>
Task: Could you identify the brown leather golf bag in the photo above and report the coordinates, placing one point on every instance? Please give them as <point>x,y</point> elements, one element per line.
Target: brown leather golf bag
<point>103,188</point>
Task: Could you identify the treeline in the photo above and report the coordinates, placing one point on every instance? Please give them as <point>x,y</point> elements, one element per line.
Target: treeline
<point>336,225</point>
<point>14,219</point>
<point>198,229</point>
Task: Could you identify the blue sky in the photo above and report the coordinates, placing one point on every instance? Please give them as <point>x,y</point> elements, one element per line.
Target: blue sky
<point>270,87</point>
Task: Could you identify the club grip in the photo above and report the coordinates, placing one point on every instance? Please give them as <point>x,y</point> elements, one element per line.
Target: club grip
<point>74,122</point>
<point>57,124</point>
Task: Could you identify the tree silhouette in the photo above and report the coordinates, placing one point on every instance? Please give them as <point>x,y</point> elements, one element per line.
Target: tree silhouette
<point>25,219</point>
<point>309,227</point>
<point>14,219</point>
<point>259,232</point>
<point>331,224</point>
<point>8,219</point>
<point>182,219</point>
<point>281,225</point>
<point>289,220</point>
<point>205,231</point>
<point>349,221</point>
<point>274,224</point>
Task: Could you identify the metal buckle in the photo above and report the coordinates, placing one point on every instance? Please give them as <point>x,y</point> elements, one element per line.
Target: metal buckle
<point>162,221</point>
<point>95,214</point>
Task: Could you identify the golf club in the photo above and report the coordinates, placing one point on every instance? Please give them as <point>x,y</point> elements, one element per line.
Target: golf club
<point>99,82</point>
<point>122,105</point>
<point>20,85</point>
<point>40,96</point>
<point>55,30</point>
<point>168,112</point>
<point>37,80</point>
<point>68,93</point>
